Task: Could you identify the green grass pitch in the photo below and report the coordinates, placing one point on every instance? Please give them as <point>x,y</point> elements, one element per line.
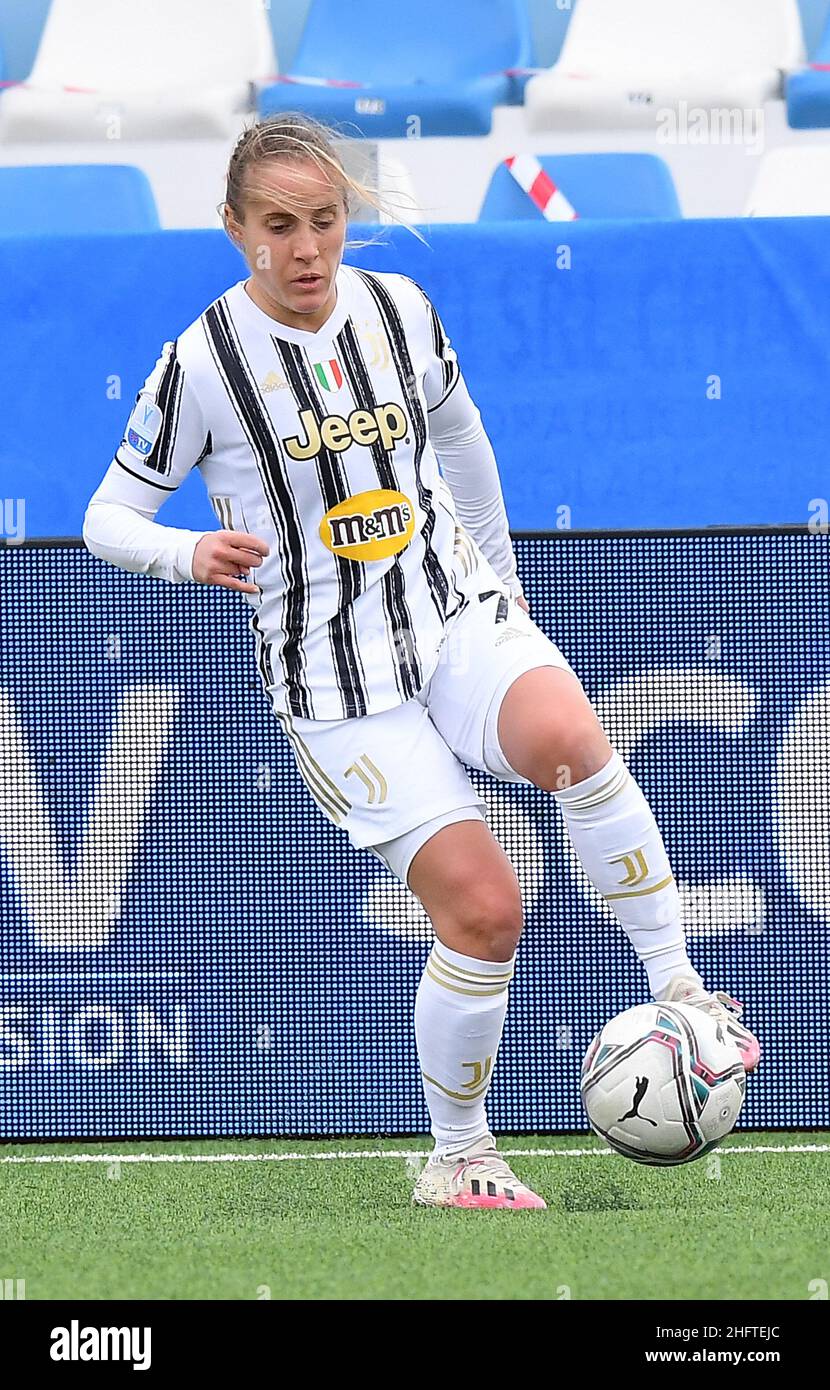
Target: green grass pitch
<point>735,1224</point>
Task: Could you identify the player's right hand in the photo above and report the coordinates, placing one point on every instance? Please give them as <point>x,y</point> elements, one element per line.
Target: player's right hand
<point>224,555</point>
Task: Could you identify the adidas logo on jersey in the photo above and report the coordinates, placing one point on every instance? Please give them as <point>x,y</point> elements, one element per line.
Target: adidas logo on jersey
<point>386,423</point>
<point>369,526</point>
<point>273,382</point>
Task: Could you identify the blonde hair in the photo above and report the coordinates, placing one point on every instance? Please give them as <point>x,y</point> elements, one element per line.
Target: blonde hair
<point>294,136</point>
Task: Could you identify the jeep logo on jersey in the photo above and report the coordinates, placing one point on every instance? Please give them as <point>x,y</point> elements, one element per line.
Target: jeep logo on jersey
<point>370,526</point>
<point>386,423</point>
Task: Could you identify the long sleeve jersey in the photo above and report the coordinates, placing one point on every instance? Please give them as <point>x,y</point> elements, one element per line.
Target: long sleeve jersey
<point>355,452</point>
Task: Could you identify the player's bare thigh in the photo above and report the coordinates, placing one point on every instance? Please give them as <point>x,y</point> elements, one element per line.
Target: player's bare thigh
<point>548,731</point>
<point>469,890</point>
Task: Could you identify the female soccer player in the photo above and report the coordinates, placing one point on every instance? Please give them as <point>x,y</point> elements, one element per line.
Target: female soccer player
<point>392,636</point>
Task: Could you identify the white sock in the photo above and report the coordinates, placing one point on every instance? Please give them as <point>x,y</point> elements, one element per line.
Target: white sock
<point>459,1017</point>
<point>614,832</point>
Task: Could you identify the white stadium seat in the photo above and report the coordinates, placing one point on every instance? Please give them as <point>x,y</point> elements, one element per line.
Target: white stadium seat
<point>792,182</point>
<point>369,162</point>
<point>163,68</point>
<point>624,60</point>
<point>394,182</point>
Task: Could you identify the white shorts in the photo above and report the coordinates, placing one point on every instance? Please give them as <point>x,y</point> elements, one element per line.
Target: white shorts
<point>392,779</point>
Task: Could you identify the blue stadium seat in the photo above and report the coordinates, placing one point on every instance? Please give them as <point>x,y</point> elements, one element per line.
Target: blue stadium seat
<point>808,92</point>
<point>39,199</point>
<point>21,28</point>
<point>597,185</point>
<point>442,63</point>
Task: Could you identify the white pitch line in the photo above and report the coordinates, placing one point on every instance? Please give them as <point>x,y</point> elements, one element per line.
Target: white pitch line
<point>376,1154</point>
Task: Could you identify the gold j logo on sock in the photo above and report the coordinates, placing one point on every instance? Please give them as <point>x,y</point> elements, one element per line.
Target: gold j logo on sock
<point>635,866</point>
<point>481,1070</point>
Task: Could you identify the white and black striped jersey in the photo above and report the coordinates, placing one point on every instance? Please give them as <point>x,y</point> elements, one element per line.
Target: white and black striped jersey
<point>324,445</point>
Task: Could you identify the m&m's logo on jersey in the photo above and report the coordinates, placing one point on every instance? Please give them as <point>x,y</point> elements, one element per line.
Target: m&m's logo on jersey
<point>386,424</point>
<point>369,526</point>
<point>143,428</point>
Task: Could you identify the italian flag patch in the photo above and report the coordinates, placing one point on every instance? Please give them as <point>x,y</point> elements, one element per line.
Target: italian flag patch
<point>329,374</point>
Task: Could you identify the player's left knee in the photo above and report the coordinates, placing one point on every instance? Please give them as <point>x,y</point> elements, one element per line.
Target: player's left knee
<point>568,751</point>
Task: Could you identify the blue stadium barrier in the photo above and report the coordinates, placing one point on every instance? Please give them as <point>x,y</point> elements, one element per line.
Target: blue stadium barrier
<point>629,375</point>
<point>75,199</point>
<point>231,966</point>
<point>442,66</point>
<point>597,185</point>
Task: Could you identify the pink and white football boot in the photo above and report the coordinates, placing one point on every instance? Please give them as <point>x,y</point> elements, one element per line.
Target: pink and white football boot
<point>473,1177</point>
<point>723,1008</point>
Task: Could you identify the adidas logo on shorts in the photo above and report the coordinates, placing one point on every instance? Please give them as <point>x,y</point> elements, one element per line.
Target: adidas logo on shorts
<point>509,632</point>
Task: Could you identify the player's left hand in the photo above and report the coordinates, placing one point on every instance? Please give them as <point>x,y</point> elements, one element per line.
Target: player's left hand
<point>523,603</point>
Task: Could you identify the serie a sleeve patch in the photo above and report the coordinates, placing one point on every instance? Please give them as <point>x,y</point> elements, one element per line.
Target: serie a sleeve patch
<point>142,429</point>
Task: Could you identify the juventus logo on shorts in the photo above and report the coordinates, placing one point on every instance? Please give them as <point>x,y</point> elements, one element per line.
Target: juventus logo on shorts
<point>371,777</point>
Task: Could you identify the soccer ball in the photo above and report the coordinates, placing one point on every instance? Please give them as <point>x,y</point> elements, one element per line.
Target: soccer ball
<point>662,1083</point>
